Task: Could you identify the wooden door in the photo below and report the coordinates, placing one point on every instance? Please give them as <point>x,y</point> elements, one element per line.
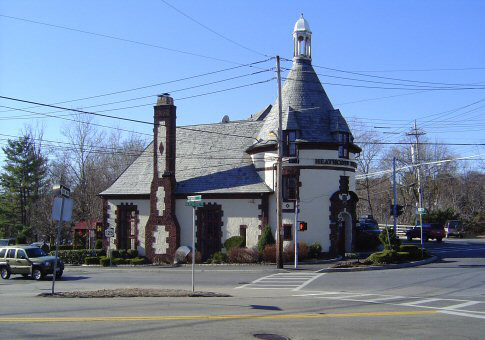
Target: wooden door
<point>209,234</point>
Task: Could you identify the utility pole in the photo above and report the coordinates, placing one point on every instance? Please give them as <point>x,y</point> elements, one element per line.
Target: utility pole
<point>416,133</point>
<point>279,182</point>
<point>394,208</point>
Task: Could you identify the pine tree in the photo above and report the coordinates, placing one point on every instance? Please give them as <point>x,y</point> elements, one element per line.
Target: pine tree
<point>23,177</point>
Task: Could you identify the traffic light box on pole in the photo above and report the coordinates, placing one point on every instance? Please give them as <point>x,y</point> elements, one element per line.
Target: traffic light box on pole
<point>399,209</point>
<point>302,226</point>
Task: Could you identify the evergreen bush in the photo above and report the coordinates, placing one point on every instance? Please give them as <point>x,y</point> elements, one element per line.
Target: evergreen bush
<point>234,242</point>
<point>91,260</point>
<point>104,261</point>
<point>77,256</point>
<point>389,239</point>
<point>132,253</point>
<point>266,238</point>
<point>98,244</point>
<point>218,258</point>
<point>315,250</point>
<point>137,261</point>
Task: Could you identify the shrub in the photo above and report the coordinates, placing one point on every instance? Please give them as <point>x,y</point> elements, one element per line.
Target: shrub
<point>76,256</point>
<point>414,252</point>
<point>243,255</point>
<point>118,260</point>
<point>98,244</point>
<point>218,258</point>
<point>198,257</point>
<point>390,242</point>
<point>137,261</point>
<point>384,257</point>
<point>269,253</point>
<point>104,261</point>
<point>289,251</point>
<point>132,253</point>
<point>115,253</point>
<point>266,238</point>
<point>91,260</point>
<point>315,250</point>
<point>21,239</point>
<point>234,242</point>
<point>122,253</point>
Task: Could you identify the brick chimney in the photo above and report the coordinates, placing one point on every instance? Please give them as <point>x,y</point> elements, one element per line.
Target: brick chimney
<point>162,233</point>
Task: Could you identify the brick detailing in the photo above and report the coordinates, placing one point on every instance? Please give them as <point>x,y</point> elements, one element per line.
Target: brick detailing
<point>164,114</point>
<point>341,201</point>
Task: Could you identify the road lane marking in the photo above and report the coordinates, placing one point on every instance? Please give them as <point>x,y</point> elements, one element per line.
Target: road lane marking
<point>286,280</point>
<point>303,285</point>
<point>469,315</point>
<point>464,304</point>
<point>212,317</point>
<point>419,302</point>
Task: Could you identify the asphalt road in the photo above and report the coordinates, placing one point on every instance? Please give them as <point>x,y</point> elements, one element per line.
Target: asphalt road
<point>442,300</point>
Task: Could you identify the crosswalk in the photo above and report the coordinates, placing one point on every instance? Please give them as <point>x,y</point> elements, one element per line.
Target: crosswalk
<point>469,308</point>
<point>289,280</point>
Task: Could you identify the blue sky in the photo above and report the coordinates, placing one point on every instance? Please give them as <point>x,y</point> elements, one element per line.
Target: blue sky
<point>432,41</point>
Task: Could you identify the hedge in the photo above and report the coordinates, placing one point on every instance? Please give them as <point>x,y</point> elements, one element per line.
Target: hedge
<point>104,261</point>
<point>218,258</point>
<point>137,261</point>
<point>91,260</point>
<point>77,256</point>
<point>243,255</point>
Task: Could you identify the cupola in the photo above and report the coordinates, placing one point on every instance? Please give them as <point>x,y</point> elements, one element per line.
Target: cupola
<point>302,39</point>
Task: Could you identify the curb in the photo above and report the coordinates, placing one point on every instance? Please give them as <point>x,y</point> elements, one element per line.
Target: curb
<point>387,266</point>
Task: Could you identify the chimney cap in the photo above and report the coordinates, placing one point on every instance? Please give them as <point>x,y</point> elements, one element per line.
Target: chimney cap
<point>164,99</point>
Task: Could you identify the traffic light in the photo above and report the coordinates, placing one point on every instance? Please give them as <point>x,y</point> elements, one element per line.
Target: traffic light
<point>399,209</point>
<point>302,226</point>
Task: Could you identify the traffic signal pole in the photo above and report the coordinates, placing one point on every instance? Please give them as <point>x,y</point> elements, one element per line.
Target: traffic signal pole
<point>297,226</point>
<point>279,182</point>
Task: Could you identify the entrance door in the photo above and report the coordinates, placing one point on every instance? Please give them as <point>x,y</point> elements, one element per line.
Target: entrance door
<point>209,222</point>
<point>344,234</point>
<point>124,232</point>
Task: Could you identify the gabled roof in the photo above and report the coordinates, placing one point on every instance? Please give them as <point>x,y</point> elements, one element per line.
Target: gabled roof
<point>210,158</point>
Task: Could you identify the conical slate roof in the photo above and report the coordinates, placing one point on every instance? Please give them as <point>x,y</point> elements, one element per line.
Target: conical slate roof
<point>306,108</point>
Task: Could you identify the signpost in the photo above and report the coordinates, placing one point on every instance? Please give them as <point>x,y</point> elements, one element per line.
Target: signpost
<point>194,202</point>
<point>61,211</point>
<point>421,212</point>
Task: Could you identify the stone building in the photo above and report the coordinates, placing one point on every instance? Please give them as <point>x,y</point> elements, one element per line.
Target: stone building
<point>232,165</point>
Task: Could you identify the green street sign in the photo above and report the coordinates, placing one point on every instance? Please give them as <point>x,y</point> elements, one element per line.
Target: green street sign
<point>194,198</point>
<point>194,204</point>
<point>422,211</point>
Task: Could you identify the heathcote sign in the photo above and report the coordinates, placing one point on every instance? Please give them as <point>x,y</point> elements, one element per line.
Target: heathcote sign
<point>335,162</point>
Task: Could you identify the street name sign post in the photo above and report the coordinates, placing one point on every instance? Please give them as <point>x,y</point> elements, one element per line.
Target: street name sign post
<point>61,211</point>
<point>194,202</point>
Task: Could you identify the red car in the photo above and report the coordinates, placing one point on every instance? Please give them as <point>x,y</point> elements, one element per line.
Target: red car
<point>430,231</point>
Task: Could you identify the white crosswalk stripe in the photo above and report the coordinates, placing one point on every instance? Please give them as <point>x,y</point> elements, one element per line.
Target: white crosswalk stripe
<point>474,309</point>
<point>293,281</point>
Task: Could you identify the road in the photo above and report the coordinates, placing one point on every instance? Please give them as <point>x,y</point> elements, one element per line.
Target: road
<point>442,300</point>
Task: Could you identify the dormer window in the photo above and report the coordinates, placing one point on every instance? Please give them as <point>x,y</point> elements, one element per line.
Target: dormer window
<point>344,141</point>
<point>289,143</point>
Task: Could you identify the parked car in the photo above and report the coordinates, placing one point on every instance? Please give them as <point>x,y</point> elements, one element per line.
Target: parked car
<point>28,260</point>
<point>7,242</point>
<point>367,230</point>
<point>430,231</point>
<point>454,228</point>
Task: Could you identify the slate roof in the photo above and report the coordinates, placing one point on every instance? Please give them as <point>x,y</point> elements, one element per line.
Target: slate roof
<point>210,159</point>
<point>305,106</point>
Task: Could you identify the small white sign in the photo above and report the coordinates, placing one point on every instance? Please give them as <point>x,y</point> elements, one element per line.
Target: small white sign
<point>109,232</point>
<point>67,211</point>
<point>194,198</point>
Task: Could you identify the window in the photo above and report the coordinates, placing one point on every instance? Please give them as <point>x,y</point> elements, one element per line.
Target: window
<point>287,235</point>
<point>2,253</point>
<point>343,149</point>
<point>11,254</point>
<point>21,254</point>
<point>242,233</point>
<point>289,143</point>
<point>290,187</point>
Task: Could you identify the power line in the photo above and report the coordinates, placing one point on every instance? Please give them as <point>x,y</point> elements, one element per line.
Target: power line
<point>211,30</point>
<point>157,84</point>
<point>119,39</point>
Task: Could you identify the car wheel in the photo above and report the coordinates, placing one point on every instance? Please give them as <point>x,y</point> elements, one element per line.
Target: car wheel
<point>59,275</point>
<point>37,274</point>
<point>409,238</point>
<point>439,239</point>
<point>5,273</point>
